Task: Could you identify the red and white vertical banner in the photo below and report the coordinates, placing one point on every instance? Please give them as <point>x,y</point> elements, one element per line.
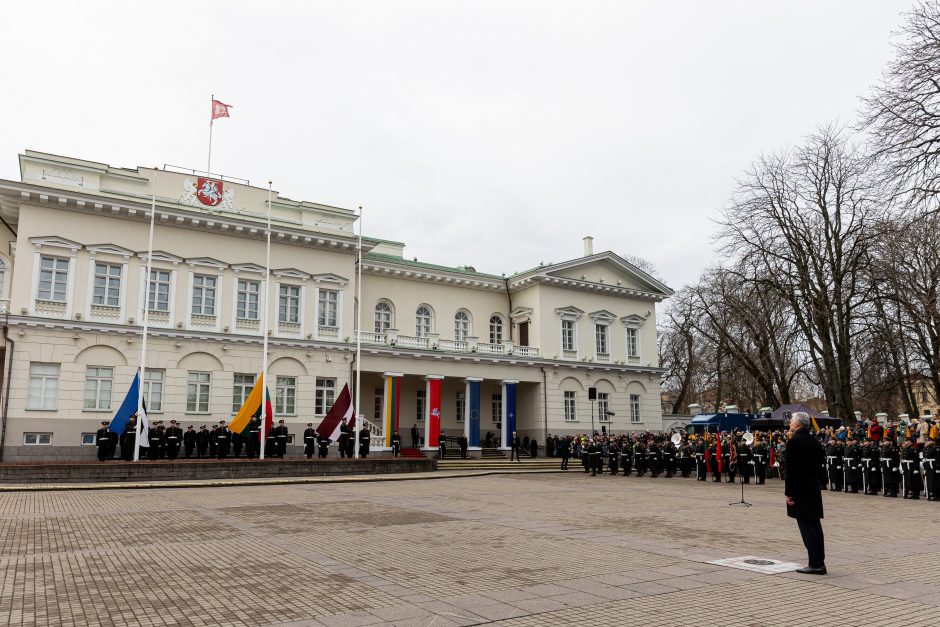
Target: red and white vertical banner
<point>433,423</point>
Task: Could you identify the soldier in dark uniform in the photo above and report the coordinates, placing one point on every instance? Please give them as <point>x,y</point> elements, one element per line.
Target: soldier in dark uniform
<point>442,446</point>
<point>653,458</point>
<point>563,450</point>
<point>613,458</point>
<point>310,440</point>
<point>154,438</point>
<point>223,439</point>
<point>549,446</point>
<point>890,468</point>
<point>202,442</point>
<point>270,443</point>
<point>873,479</point>
<point>686,458</point>
<point>237,442</point>
<point>343,438</point>
<point>760,455</point>
<point>729,468</point>
<point>103,441</point>
<point>365,439</point>
<point>161,441</point>
<point>189,441</point>
<point>112,447</point>
<point>350,445</point>
<point>323,443</point>
<point>129,439</point>
<point>669,458</point>
<point>281,435</point>
<point>713,459</point>
<point>415,436</point>
<point>253,439</point>
<point>910,462</point>
<point>639,457</point>
<point>850,464</point>
<point>931,464</point>
<point>838,471</point>
<point>174,438</point>
<point>626,457</point>
<point>396,444</point>
<point>745,461</point>
<point>515,444</point>
<point>593,453</point>
<point>701,447</point>
<point>213,441</point>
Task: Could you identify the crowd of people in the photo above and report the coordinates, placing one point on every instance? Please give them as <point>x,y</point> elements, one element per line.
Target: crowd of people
<point>868,459</point>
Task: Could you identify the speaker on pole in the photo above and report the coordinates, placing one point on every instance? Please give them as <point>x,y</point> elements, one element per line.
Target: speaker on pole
<point>592,394</point>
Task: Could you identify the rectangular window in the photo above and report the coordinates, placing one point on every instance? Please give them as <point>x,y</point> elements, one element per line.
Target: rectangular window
<point>37,439</point>
<point>325,393</point>
<point>497,405</point>
<point>158,290</point>
<point>634,408</point>
<point>98,384</point>
<point>567,335</point>
<point>461,404</point>
<point>571,408</point>
<point>246,307</point>
<point>603,403</point>
<point>327,307</point>
<point>923,397</point>
<point>600,339</point>
<point>241,389</point>
<point>197,392</point>
<point>107,288</point>
<point>288,307</point>
<point>633,343</point>
<point>43,390</point>
<point>420,404</point>
<point>88,439</point>
<point>378,404</point>
<point>285,396</point>
<point>204,294</point>
<point>53,278</point>
<point>153,390</point>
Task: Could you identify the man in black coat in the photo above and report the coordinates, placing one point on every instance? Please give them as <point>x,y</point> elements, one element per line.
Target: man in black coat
<point>310,440</point>
<point>189,441</point>
<point>804,456</point>
<point>514,445</point>
<point>103,441</point>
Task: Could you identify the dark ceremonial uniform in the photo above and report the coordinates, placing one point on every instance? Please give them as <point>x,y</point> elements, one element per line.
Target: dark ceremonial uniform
<point>281,433</point>
<point>931,465</point>
<point>396,444</point>
<point>563,450</point>
<point>103,442</point>
<point>654,459</point>
<point>442,446</point>
<point>223,439</point>
<point>890,469</point>
<point>626,458</point>
<point>128,441</point>
<point>174,438</point>
<point>310,442</point>
<point>202,442</point>
<point>189,442</point>
<point>270,443</point>
<point>713,461</point>
<point>238,440</point>
<point>640,459</point>
<point>253,440</point>
<point>669,459</point>
<point>213,441</point>
<point>700,469</point>
<point>154,437</point>
<point>851,466</point>
<point>726,461</point>
<point>343,438</point>
<point>112,448</point>
<point>323,443</point>
<point>760,455</point>
<point>365,438</point>
<point>613,461</point>
<point>745,462</point>
<point>910,464</point>
<point>593,455</point>
<point>686,459</point>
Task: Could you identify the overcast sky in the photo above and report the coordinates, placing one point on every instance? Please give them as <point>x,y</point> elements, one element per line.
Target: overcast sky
<point>495,134</point>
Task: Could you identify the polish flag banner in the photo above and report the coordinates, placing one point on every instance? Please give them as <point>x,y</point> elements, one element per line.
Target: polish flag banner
<point>219,109</point>
<point>340,413</point>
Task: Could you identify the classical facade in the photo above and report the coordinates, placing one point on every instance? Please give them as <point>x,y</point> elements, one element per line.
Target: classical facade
<point>448,349</point>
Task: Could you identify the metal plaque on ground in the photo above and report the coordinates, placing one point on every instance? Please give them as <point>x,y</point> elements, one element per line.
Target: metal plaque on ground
<point>757,564</point>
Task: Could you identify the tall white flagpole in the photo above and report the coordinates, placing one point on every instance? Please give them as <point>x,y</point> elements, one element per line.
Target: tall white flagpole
<point>146,318</point>
<point>358,336</point>
<point>264,331</point>
<point>211,118</point>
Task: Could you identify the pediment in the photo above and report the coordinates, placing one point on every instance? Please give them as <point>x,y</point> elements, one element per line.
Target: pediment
<point>55,241</point>
<point>569,312</point>
<point>603,315</point>
<point>248,267</point>
<point>109,249</point>
<point>330,278</point>
<point>162,256</point>
<point>292,273</point>
<point>207,261</point>
<point>606,269</point>
<point>633,321</point>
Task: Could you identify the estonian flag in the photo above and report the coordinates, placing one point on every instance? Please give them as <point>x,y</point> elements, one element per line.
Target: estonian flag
<point>127,409</point>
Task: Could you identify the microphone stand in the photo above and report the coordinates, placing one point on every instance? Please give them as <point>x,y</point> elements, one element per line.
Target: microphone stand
<point>741,475</point>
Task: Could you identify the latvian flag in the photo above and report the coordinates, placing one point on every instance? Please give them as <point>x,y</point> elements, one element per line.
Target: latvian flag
<point>340,413</point>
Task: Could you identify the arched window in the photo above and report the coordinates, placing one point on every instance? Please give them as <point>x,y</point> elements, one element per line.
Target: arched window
<point>3,277</point>
<point>496,329</point>
<point>461,326</point>
<point>383,316</point>
<point>423,320</point>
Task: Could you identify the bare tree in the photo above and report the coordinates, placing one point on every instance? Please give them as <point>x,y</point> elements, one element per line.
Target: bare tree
<point>903,111</point>
<point>802,218</point>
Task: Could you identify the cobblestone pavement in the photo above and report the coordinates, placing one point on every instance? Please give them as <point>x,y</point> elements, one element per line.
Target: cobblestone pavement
<point>535,549</point>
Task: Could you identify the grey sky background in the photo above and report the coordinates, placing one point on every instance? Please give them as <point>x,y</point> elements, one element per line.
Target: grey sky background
<point>495,134</point>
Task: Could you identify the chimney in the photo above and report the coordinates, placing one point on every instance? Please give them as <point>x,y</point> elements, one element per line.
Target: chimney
<point>588,246</point>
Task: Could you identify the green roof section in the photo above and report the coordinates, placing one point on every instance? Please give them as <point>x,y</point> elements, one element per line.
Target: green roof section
<point>429,266</point>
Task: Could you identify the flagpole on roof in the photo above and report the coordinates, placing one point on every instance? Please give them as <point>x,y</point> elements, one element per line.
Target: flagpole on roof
<point>358,337</point>
<point>146,320</point>
<point>211,118</point>
<point>264,331</point>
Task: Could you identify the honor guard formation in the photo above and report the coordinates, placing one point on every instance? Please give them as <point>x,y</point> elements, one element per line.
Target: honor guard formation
<point>868,459</point>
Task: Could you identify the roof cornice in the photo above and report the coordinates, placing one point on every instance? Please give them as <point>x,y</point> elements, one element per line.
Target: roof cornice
<point>454,279</point>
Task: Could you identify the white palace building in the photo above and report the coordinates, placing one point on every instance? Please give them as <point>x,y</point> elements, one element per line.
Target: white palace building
<point>444,348</point>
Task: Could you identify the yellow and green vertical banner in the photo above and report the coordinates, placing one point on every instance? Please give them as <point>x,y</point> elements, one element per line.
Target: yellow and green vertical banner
<point>392,405</point>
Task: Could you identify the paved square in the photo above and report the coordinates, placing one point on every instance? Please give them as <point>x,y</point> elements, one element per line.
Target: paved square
<point>525,549</point>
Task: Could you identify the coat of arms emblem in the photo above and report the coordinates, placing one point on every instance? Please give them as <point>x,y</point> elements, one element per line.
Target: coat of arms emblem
<point>209,191</point>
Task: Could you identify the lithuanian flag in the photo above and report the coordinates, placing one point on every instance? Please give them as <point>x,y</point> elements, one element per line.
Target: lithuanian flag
<point>252,409</point>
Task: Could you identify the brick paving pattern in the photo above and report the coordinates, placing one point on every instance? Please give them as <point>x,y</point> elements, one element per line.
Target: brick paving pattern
<point>534,549</point>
